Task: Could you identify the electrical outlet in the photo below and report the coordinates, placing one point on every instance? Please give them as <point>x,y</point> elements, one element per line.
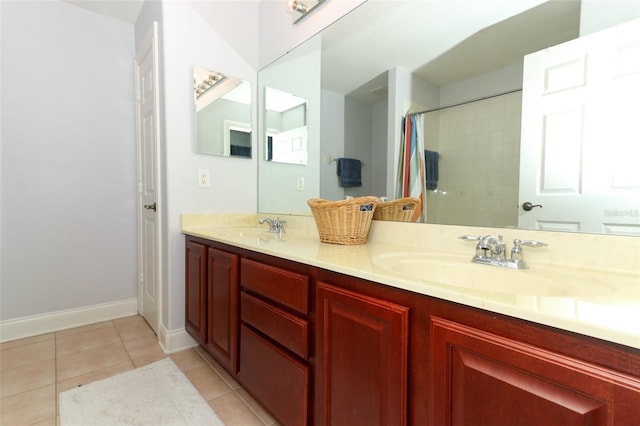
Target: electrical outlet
<point>203,178</point>
<point>300,184</point>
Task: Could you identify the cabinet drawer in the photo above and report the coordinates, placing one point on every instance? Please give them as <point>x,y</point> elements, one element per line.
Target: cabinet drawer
<point>281,326</point>
<point>285,287</point>
<point>277,380</point>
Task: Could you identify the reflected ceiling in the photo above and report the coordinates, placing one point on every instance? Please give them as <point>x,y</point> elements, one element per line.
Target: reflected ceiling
<point>490,48</point>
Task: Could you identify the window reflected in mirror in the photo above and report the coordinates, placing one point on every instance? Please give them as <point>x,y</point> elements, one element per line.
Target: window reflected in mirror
<point>286,122</point>
<point>223,114</point>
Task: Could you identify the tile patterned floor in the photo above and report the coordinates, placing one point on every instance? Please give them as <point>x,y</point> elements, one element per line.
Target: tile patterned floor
<point>34,370</point>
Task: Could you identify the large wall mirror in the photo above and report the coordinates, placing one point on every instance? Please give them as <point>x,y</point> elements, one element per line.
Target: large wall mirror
<point>462,62</point>
<point>223,114</point>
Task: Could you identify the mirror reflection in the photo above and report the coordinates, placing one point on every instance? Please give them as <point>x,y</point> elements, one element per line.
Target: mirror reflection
<point>223,114</point>
<point>286,187</point>
<point>286,127</point>
<point>461,62</point>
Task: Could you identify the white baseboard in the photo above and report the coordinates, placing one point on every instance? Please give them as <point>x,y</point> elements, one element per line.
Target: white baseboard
<point>175,340</point>
<point>34,325</point>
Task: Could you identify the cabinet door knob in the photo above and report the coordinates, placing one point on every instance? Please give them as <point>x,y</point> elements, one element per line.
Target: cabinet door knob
<point>150,206</point>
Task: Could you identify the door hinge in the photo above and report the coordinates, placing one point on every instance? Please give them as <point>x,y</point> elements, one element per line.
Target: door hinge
<point>140,187</point>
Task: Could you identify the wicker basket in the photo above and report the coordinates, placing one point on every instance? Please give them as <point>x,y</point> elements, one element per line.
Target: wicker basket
<point>400,210</point>
<point>343,221</point>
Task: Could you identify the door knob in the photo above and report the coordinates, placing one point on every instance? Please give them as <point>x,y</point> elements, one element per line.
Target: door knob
<point>527,206</point>
<point>150,206</point>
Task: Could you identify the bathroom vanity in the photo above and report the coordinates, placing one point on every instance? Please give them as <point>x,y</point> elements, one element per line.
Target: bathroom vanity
<point>324,334</point>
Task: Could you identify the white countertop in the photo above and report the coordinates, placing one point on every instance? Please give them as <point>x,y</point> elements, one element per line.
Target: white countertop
<point>594,301</point>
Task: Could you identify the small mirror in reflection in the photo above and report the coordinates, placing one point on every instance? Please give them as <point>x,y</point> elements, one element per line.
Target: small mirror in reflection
<point>286,120</point>
<point>223,114</point>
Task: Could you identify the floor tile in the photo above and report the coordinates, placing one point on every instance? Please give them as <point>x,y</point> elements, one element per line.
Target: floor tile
<point>84,379</point>
<point>36,369</point>
<point>27,377</point>
<point>208,382</point>
<point>29,407</point>
<point>146,360</point>
<point>233,412</point>
<point>27,341</point>
<point>90,360</point>
<point>230,381</point>
<point>133,328</point>
<point>262,414</point>
<point>82,341</point>
<point>52,421</point>
<point>143,347</point>
<point>27,354</point>
<point>84,328</point>
<point>187,360</point>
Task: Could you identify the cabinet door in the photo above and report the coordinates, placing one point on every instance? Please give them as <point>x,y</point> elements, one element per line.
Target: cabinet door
<point>362,346</point>
<point>223,301</point>
<point>196,290</point>
<point>479,378</point>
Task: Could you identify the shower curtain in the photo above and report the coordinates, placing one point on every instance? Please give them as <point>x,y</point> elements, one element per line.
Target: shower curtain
<point>411,167</point>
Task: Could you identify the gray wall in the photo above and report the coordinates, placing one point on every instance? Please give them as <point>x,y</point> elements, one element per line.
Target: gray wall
<point>68,191</point>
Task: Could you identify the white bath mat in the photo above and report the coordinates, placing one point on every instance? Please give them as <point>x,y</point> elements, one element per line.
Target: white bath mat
<point>157,394</point>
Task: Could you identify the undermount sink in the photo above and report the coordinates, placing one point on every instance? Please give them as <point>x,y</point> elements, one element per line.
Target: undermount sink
<point>459,272</point>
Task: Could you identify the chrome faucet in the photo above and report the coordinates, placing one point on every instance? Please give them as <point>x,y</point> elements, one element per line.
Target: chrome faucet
<point>276,225</point>
<point>493,251</point>
<point>490,247</point>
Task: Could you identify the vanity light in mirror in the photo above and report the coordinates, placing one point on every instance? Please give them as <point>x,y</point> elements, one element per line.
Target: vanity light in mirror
<point>286,127</point>
<point>300,8</point>
<point>223,114</point>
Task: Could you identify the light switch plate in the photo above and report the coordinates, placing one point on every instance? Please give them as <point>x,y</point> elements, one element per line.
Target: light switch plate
<point>300,183</point>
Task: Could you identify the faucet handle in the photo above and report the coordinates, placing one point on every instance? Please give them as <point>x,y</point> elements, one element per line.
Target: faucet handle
<point>516,251</point>
<point>529,243</point>
<point>470,237</point>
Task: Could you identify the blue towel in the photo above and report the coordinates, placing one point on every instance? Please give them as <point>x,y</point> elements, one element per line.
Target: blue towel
<point>431,164</point>
<point>349,172</point>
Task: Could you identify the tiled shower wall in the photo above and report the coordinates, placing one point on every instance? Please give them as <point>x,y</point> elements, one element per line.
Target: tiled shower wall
<point>479,146</point>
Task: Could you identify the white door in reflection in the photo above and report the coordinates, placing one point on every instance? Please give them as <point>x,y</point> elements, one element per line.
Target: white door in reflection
<point>580,147</point>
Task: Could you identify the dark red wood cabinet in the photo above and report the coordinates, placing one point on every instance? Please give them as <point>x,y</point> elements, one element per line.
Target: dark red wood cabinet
<point>482,379</point>
<point>222,307</point>
<point>274,339</point>
<point>362,346</point>
<point>196,290</point>
<point>212,300</point>
<point>316,347</point>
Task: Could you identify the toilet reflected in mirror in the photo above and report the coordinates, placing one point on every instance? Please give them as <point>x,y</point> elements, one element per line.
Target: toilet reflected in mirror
<point>222,114</point>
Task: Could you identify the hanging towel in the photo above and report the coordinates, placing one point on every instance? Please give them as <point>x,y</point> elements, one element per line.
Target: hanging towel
<point>431,160</point>
<point>411,167</point>
<point>349,172</point>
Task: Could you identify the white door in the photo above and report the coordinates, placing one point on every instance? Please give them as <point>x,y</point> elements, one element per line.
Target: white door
<point>580,146</point>
<point>148,181</point>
